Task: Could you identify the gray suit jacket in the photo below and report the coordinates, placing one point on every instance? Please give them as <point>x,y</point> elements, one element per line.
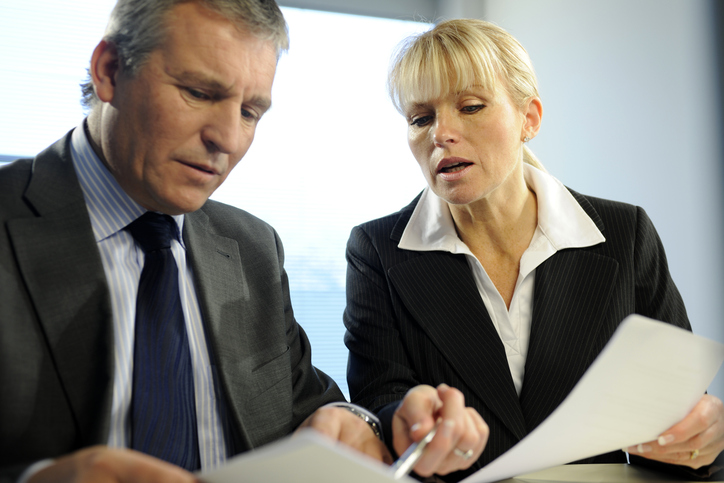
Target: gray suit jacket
<point>56,347</point>
<point>417,318</point>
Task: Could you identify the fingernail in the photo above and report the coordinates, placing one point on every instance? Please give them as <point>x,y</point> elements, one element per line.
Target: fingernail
<point>666,439</point>
<point>414,427</point>
<point>643,448</point>
<point>447,428</point>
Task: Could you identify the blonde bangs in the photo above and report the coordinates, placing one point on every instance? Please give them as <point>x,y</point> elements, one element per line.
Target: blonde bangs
<point>439,62</point>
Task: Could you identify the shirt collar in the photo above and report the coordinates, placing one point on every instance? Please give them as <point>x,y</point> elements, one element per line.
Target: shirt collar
<point>110,208</point>
<point>560,218</point>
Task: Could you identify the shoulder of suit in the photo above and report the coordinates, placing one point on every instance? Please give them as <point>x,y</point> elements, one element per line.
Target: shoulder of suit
<point>14,175</point>
<point>601,202</point>
<point>31,178</point>
<point>14,178</point>
<point>222,215</point>
<point>602,206</point>
<point>616,219</point>
<point>22,169</point>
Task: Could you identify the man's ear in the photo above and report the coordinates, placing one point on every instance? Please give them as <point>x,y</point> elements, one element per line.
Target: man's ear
<point>104,70</point>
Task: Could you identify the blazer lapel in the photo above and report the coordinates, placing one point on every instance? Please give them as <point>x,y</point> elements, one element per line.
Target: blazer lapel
<point>440,293</point>
<point>572,291</point>
<point>223,296</point>
<point>63,272</point>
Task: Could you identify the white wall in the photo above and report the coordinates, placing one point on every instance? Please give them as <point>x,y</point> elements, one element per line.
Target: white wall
<point>630,113</point>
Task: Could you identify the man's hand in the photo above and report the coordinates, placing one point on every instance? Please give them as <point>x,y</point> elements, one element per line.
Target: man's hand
<point>461,435</point>
<point>100,464</point>
<point>341,425</point>
<point>695,441</point>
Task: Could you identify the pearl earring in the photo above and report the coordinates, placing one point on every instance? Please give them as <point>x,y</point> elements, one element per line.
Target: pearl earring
<point>526,139</point>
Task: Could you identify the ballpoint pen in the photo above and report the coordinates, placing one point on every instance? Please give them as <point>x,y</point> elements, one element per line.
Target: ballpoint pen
<point>403,466</point>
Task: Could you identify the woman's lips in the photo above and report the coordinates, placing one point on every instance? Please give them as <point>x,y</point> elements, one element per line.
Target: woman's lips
<point>451,169</point>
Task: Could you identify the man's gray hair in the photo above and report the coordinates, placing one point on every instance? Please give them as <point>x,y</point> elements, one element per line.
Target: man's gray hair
<point>136,28</point>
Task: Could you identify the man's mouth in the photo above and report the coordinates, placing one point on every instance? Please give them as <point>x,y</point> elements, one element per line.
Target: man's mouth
<point>200,167</point>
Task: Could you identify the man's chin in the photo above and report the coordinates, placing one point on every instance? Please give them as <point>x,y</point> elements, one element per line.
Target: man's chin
<point>178,205</point>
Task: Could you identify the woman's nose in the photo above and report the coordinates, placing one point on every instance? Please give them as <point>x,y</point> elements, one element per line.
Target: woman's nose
<point>446,130</point>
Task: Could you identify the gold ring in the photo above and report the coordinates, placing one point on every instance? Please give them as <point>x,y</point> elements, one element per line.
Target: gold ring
<point>466,455</point>
<point>694,454</point>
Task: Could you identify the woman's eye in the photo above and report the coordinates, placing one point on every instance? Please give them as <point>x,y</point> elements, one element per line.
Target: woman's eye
<point>420,121</point>
<point>471,109</point>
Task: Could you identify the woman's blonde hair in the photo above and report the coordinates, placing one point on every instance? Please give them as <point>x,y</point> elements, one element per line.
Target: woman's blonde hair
<point>457,54</point>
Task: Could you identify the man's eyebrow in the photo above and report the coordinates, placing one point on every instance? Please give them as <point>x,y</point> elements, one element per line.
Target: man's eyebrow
<point>261,103</point>
<point>199,79</point>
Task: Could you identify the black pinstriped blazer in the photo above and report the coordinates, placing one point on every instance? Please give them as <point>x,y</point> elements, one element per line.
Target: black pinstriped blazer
<point>417,318</point>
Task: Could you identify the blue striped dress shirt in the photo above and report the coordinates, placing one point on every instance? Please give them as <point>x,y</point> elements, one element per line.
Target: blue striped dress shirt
<point>110,210</point>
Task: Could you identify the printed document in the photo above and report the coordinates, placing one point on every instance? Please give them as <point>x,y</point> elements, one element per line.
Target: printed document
<point>647,378</point>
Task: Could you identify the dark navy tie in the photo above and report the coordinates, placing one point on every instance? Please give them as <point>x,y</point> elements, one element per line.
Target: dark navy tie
<point>163,410</point>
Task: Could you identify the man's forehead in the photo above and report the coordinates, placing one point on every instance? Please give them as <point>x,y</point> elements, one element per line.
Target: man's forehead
<point>209,51</point>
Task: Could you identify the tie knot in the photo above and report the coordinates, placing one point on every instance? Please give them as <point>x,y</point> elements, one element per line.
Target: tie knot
<point>153,231</point>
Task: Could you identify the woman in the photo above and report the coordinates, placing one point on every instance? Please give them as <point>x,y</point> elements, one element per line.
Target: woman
<point>497,280</point>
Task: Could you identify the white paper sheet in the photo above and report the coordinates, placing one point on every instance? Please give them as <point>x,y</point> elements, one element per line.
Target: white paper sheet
<point>307,457</point>
<point>647,378</point>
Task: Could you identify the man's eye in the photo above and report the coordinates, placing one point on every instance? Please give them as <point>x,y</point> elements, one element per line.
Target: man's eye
<point>197,94</point>
<point>420,121</point>
<point>247,114</point>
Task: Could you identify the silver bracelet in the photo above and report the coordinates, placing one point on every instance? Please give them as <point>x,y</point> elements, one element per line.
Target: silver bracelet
<point>364,415</point>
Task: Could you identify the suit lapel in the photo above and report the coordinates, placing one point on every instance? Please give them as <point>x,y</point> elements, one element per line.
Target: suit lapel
<point>572,291</point>
<point>440,293</point>
<point>63,272</point>
<point>224,297</point>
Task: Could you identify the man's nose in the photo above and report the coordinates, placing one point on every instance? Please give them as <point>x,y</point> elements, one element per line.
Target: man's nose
<point>222,132</point>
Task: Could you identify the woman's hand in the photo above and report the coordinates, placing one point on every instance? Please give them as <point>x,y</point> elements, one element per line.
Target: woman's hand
<point>695,441</point>
<point>461,434</point>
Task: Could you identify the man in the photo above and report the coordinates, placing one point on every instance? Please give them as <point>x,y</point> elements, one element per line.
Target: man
<point>92,387</point>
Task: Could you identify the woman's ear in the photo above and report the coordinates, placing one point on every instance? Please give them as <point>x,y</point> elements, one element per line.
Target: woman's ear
<point>104,69</point>
<point>533,114</point>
